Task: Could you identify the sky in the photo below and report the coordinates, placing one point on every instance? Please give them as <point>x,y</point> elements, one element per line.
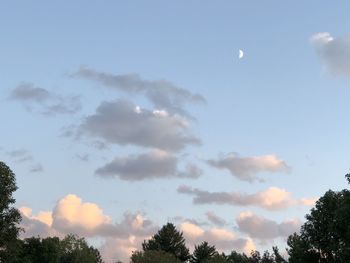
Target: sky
<point>120,116</point>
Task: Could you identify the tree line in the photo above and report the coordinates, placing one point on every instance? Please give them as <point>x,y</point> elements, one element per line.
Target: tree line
<point>324,237</point>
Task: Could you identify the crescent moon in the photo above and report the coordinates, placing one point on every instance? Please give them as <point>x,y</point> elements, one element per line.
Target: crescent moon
<point>240,54</point>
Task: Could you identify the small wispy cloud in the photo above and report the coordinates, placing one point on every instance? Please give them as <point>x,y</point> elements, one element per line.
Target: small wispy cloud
<point>44,101</point>
<point>24,156</point>
<point>20,155</point>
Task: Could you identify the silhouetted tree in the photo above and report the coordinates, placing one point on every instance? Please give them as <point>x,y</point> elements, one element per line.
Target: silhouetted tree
<point>300,250</point>
<point>255,257</point>
<point>53,250</point>
<point>237,257</point>
<point>9,216</point>
<point>325,236</point>
<point>35,249</point>
<point>153,256</point>
<point>203,252</point>
<point>277,256</point>
<point>169,240</point>
<point>77,250</point>
<point>218,259</point>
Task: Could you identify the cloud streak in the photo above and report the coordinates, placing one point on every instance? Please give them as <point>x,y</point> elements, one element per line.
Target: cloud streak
<point>151,165</point>
<point>247,168</point>
<point>47,103</point>
<point>271,199</point>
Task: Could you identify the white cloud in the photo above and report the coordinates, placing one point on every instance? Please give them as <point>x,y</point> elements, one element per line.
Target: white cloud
<point>333,52</point>
<point>43,216</point>
<point>71,214</point>
<point>35,225</point>
<point>246,168</point>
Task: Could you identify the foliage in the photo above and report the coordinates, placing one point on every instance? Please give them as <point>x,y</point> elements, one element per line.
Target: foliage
<point>300,250</point>
<point>77,250</point>
<point>53,250</point>
<point>153,256</point>
<point>218,259</point>
<point>325,236</point>
<point>237,257</point>
<point>169,240</point>
<point>9,216</point>
<point>203,252</point>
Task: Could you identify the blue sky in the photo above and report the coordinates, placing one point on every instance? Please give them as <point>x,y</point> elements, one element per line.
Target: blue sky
<point>275,118</point>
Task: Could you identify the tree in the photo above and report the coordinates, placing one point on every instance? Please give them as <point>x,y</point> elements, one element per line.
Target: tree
<point>277,256</point>
<point>9,216</point>
<point>35,249</point>
<point>77,250</point>
<point>203,252</point>
<point>169,240</point>
<point>153,256</point>
<point>325,236</point>
<point>300,250</point>
<point>219,259</point>
<point>53,250</point>
<point>236,257</point>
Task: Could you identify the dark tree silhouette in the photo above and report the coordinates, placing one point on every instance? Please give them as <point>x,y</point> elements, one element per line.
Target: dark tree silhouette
<point>169,240</point>
<point>203,252</point>
<point>237,257</point>
<point>9,216</point>
<point>153,256</point>
<point>53,250</point>
<point>325,236</point>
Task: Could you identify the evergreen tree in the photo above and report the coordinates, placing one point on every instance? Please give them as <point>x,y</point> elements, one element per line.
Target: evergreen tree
<point>169,240</point>
<point>203,253</point>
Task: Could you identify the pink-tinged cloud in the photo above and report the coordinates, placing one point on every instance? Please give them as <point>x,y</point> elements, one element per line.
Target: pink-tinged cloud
<point>223,239</point>
<point>273,198</point>
<point>262,228</point>
<point>247,168</point>
<point>72,215</point>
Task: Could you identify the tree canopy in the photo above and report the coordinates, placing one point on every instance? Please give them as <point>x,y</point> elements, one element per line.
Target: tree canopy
<point>203,252</point>
<point>9,215</point>
<point>153,256</point>
<point>170,240</point>
<point>325,236</point>
<point>71,249</point>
